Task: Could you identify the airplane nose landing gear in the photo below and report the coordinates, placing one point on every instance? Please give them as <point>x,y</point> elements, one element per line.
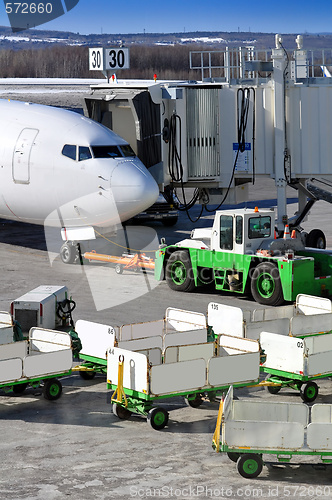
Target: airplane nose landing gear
<point>69,252</point>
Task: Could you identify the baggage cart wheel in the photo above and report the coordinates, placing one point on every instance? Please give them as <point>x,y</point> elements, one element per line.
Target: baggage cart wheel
<point>19,388</point>
<point>121,412</point>
<point>309,392</point>
<point>194,402</point>
<point>232,455</point>
<point>87,374</point>
<point>272,389</point>
<point>119,269</point>
<point>249,465</point>
<point>52,389</point>
<point>158,418</point>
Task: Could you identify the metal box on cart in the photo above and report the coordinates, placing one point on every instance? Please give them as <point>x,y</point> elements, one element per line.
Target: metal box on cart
<point>38,308</point>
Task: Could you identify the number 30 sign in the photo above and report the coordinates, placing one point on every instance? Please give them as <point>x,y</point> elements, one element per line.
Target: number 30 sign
<point>108,59</point>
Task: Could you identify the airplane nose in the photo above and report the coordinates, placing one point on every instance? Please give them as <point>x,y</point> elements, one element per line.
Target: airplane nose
<point>133,187</point>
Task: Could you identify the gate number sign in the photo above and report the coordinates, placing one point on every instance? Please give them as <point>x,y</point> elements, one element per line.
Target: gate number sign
<point>108,59</point>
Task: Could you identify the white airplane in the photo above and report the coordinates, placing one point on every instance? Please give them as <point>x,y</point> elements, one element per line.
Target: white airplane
<point>59,168</point>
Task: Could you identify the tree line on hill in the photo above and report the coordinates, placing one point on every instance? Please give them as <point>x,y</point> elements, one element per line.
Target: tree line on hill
<point>168,62</point>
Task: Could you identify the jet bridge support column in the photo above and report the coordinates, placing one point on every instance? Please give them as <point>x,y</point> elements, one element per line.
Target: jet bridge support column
<point>279,66</point>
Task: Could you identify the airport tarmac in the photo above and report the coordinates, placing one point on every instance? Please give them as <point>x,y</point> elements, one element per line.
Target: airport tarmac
<point>75,447</point>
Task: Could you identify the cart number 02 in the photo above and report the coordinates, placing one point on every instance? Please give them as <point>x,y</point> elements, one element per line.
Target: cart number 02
<point>300,345</point>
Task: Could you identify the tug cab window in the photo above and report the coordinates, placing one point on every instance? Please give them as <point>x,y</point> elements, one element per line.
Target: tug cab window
<point>69,150</point>
<point>238,230</point>
<point>259,227</point>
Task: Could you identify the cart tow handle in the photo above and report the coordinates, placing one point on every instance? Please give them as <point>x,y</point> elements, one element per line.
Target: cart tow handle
<point>216,435</point>
<point>119,395</point>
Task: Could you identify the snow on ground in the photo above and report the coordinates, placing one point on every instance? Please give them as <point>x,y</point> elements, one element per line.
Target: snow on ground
<point>50,81</point>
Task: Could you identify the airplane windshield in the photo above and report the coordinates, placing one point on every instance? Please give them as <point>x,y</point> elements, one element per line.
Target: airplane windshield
<point>106,152</point>
<point>126,150</point>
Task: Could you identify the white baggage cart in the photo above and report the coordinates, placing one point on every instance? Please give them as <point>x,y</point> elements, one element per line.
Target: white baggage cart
<point>169,366</point>
<point>308,316</point>
<point>41,359</point>
<point>97,338</point>
<point>249,429</point>
<point>297,362</point>
<point>296,340</point>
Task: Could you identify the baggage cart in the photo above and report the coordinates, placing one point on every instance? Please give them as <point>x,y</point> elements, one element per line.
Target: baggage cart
<point>296,362</point>
<point>42,359</point>
<point>169,366</point>
<point>295,340</point>
<point>309,315</point>
<point>247,430</point>
<point>96,338</point>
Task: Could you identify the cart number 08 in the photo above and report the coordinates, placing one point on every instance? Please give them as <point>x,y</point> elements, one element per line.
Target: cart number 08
<point>300,344</point>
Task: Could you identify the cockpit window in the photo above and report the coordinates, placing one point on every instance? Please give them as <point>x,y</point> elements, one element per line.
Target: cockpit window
<point>69,150</point>
<point>126,150</point>
<point>84,153</point>
<point>106,152</point>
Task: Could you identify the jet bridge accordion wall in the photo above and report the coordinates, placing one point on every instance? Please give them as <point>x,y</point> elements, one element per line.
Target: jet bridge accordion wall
<point>202,116</point>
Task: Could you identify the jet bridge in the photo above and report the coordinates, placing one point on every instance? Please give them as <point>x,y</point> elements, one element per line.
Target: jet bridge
<point>252,114</point>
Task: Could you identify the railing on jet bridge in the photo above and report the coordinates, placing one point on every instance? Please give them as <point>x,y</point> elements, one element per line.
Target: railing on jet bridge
<point>232,64</point>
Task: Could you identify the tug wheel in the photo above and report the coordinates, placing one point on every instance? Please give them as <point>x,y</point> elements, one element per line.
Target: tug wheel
<point>179,273</point>
<point>266,284</point>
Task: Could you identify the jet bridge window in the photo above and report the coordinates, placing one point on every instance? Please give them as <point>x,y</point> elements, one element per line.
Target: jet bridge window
<point>259,227</point>
<point>106,152</point>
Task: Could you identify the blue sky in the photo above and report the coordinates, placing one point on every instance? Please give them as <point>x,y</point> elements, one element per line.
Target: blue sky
<point>135,16</point>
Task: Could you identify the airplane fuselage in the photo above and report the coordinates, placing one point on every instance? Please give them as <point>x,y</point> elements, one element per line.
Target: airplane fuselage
<point>57,166</point>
